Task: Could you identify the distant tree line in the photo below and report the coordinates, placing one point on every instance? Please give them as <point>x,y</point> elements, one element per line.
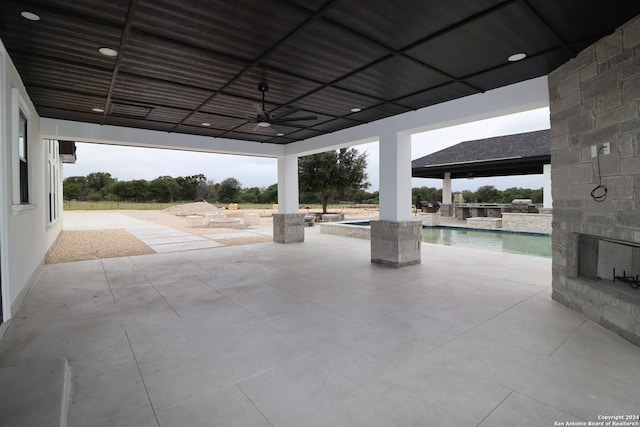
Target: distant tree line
<point>98,186</point>
<point>485,194</point>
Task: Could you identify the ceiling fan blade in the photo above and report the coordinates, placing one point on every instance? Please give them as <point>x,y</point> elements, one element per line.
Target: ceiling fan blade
<point>296,119</point>
<point>258,108</point>
<point>287,111</point>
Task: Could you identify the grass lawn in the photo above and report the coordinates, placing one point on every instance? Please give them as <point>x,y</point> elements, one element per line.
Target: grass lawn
<point>104,205</point>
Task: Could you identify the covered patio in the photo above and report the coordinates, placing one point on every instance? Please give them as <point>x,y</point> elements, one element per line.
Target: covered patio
<point>313,334</point>
<point>307,334</point>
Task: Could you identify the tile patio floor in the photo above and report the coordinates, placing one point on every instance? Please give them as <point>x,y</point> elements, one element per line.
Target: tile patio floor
<point>312,334</point>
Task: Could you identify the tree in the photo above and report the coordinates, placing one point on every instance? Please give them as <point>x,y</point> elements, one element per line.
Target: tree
<point>189,186</point>
<point>269,194</point>
<point>71,191</point>
<point>487,194</point>
<point>330,173</point>
<point>79,188</point>
<point>206,191</point>
<point>96,181</point>
<point>250,195</point>
<point>427,194</point>
<point>229,190</point>
<point>164,189</point>
<point>468,196</point>
<point>138,190</point>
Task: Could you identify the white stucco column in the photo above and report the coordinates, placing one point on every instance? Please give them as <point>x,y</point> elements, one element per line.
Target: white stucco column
<point>396,236</point>
<point>395,177</point>
<point>288,184</point>
<point>446,189</point>
<point>288,223</point>
<point>547,200</point>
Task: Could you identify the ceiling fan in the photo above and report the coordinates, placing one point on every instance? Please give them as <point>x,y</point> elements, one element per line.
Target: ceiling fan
<point>265,119</point>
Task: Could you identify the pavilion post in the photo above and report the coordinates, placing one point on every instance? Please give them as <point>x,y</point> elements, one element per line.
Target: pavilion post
<point>288,223</point>
<point>395,237</point>
<point>446,208</point>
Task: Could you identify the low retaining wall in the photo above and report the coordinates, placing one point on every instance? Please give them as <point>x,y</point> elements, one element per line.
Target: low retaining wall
<point>485,223</point>
<point>429,219</point>
<point>527,223</point>
<point>348,230</point>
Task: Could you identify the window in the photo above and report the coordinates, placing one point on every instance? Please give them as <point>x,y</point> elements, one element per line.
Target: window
<point>23,156</point>
<point>53,179</point>
<point>20,154</point>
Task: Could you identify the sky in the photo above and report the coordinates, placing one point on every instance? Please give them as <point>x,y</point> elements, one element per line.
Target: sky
<point>129,163</point>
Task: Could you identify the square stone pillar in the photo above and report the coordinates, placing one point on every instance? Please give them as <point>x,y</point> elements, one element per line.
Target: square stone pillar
<point>396,243</point>
<point>288,228</point>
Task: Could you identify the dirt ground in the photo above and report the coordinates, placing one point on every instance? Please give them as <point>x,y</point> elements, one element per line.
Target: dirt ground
<point>98,244</point>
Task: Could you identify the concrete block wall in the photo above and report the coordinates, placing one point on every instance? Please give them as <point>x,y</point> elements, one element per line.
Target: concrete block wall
<point>396,243</point>
<point>527,223</point>
<point>594,99</point>
<point>288,228</point>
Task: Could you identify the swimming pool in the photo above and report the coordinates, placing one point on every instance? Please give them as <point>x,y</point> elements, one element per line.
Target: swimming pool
<point>496,240</point>
<point>503,241</point>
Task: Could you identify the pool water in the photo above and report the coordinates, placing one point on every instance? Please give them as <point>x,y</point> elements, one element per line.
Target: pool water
<point>501,241</point>
<point>517,243</point>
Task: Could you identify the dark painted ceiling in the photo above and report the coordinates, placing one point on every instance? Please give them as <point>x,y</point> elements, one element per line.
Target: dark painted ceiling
<point>518,154</point>
<point>184,63</point>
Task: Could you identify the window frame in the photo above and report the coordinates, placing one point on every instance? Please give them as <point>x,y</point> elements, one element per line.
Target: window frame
<point>53,180</point>
<point>19,108</point>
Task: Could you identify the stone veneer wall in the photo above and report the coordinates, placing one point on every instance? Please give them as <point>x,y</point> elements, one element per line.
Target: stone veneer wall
<point>527,223</point>
<point>485,223</point>
<point>594,99</point>
<point>347,230</point>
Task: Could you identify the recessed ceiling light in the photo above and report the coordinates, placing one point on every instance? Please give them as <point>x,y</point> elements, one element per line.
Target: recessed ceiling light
<point>98,110</point>
<point>205,124</point>
<point>517,57</point>
<point>107,51</point>
<point>356,110</point>
<point>280,134</point>
<point>30,16</point>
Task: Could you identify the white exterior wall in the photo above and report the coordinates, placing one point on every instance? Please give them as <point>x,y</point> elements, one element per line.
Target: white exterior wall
<point>25,234</point>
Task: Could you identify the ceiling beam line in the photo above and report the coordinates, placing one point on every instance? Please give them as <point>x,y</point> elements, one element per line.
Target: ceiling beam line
<point>401,53</point>
<point>457,25</point>
<point>264,55</point>
<point>123,42</point>
<point>553,31</point>
<point>410,46</point>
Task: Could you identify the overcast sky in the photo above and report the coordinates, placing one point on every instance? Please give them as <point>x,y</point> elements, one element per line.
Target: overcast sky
<point>128,163</point>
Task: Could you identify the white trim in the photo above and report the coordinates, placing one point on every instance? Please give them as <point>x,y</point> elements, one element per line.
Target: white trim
<point>18,105</point>
<point>22,208</point>
<point>4,225</point>
<point>52,181</point>
<point>132,137</point>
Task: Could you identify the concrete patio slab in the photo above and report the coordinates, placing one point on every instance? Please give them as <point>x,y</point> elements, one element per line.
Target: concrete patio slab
<point>188,245</point>
<point>313,334</point>
<point>238,235</point>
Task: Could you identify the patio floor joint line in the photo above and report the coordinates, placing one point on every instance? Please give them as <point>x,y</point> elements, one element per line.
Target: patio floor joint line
<point>144,384</point>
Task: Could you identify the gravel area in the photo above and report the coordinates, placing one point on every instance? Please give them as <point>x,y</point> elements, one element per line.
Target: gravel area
<point>95,244</point>
<point>79,245</point>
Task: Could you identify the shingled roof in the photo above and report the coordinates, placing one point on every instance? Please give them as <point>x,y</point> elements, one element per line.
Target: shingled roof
<point>519,154</point>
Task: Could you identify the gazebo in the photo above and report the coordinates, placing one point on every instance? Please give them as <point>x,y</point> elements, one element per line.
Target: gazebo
<point>519,154</point>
